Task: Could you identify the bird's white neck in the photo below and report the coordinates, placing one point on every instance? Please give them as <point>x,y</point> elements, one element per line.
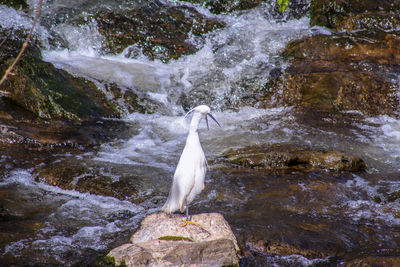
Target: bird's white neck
<point>194,124</point>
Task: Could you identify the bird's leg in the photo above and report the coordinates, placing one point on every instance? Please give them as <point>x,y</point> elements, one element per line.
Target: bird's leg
<point>187,213</point>
<point>188,220</point>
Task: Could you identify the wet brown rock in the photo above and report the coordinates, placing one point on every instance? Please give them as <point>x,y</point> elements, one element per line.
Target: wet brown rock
<point>393,196</point>
<point>296,9</point>
<point>221,6</point>
<point>379,48</point>
<point>75,175</point>
<point>22,127</point>
<point>341,91</point>
<point>131,99</point>
<point>158,30</point>
<point>371,261</point>
<point>162,241</point>
<point>290,157</point>
<point>283,249</point>
<point>341,72</point>
<point>354,15</point>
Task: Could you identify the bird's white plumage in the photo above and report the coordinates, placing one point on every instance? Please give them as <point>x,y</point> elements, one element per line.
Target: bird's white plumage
<point>191,170</point>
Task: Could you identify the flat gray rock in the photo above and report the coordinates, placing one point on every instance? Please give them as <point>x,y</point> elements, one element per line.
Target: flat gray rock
<point>162,241</point>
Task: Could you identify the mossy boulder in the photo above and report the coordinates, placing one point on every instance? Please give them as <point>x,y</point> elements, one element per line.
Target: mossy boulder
<point>46,91</point>
<point>52,93</point>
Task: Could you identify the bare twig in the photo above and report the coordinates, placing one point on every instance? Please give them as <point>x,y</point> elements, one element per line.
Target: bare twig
<point>5,39</point>
<point>10,68</point>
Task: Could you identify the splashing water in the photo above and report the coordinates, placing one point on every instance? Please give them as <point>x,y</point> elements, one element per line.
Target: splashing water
<point>75,221</point>
<point>246,49</point>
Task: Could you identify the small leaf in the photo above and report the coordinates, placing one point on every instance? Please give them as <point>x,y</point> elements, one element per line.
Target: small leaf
<point>283,5</point>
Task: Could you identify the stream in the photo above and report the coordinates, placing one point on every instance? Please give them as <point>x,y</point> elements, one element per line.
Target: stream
<point>332,217</point>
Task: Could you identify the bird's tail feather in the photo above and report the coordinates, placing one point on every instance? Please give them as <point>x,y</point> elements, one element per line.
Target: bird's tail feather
<point>173,202</point>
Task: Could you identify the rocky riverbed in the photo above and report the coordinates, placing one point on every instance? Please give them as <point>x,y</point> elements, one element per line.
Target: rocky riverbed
<point>305,167</point>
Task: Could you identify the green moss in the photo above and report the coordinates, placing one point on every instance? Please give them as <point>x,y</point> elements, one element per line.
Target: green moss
<point>175,238</point>
<point>16,4</point>
<point>53,93</point>
<point>107,261</point>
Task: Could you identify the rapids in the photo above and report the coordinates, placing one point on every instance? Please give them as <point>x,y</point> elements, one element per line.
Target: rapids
<point>56,226</point>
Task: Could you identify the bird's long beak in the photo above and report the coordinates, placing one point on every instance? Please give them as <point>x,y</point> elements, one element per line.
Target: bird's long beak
<point>212,117</point>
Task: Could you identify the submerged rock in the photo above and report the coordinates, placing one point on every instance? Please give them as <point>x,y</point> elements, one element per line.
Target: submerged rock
<point>282,249</point>
<point>162,241</point>
<point>75,175</point>
<point>283,214</point>
<point>293,158</point>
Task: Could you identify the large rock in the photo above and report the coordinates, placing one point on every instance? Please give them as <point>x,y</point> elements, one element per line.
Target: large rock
<point>370,261</point>
<point>351,15</point>
<point>296,9</point>
<point>160,31</point>
<point>46,91</point>
<point>157,29</point>
<point>162,241</point>
<point>340,72</point>
<point>355,67</point>
<point>376,48</point>
<point>291,158</point>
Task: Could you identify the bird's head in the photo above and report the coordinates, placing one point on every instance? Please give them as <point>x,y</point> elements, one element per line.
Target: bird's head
<point>205,112</point>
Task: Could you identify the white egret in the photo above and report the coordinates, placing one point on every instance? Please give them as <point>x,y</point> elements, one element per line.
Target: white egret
<point>189,175</point>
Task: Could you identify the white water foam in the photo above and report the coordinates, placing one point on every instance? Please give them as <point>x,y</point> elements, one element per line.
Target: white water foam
<point>77,221</point>
<point>162,138</point>
<point>363,207</point>
<point>295,260</point>
<point>382,141</point>
<point>246,47</point>
<point>14,20</point>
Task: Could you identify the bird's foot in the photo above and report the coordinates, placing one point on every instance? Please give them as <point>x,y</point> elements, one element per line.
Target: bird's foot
<point>186,222</point>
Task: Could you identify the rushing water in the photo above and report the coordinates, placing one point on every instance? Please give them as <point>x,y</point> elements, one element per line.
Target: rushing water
<point>71,228</point>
